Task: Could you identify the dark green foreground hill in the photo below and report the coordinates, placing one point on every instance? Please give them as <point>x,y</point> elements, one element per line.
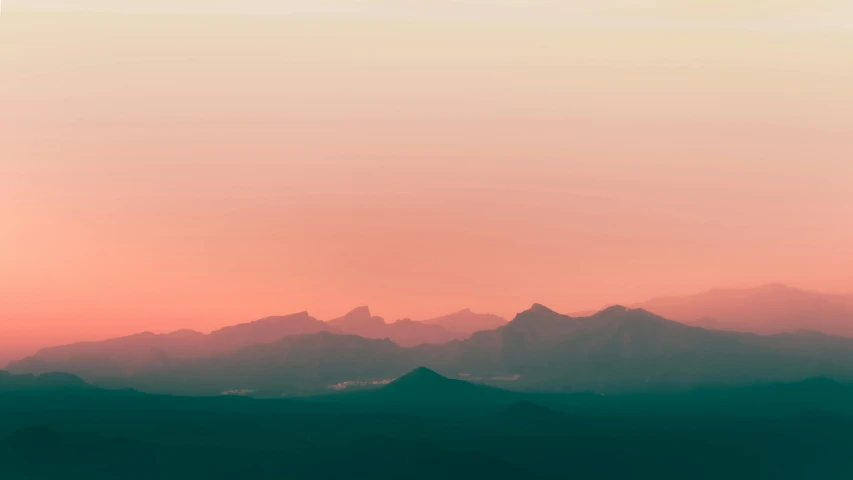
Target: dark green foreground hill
<point>425,426</point>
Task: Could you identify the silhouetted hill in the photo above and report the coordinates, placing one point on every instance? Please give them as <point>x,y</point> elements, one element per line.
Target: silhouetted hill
<point>423,384</point>
<point>467,322</point>
<point>405,332</point>
<point>767,309</point>
<point>422,391</point>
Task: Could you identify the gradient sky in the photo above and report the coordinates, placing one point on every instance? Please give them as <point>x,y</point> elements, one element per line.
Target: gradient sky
<point>187,163</point>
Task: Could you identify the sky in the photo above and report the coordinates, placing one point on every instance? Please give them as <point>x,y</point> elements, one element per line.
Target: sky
<point>188,164</point>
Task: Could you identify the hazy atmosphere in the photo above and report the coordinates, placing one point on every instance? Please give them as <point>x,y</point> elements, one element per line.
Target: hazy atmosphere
<point>164,168</point>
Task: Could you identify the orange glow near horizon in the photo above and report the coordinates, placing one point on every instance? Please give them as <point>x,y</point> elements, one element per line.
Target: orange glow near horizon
<point>163,171</point>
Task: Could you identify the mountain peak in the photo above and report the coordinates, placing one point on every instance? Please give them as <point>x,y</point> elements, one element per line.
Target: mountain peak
<point>186,333</point>
<point>275,318</point>
<point>421,380</point>
<point>614,309</point>
<point>358,317</point>
<point>423,384</point>
<point>539,308</point>
<point>620,313</point>
<point>420,374</point>
<point>535,315</point>
<point>359,312</point>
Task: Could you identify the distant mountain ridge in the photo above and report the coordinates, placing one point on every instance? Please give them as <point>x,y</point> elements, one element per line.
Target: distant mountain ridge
<point>768,309</point>
<point>266,330</point>
<point>123,356</point>
<point>621,348</point>
<point>403,332</point>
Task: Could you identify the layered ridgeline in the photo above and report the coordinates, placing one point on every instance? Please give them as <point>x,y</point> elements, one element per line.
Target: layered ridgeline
<point>767,309</point>
<point>629,349</point>
<point>617,349</point>
<point>405,332</point>
<point>125,356</point>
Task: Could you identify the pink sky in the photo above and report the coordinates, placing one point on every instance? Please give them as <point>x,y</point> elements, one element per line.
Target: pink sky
<point>160,171</point>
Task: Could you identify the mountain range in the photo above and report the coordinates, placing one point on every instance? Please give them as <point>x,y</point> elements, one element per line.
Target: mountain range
<point>125,356</point>
<point>770,309</point>
<point>617,349</point>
